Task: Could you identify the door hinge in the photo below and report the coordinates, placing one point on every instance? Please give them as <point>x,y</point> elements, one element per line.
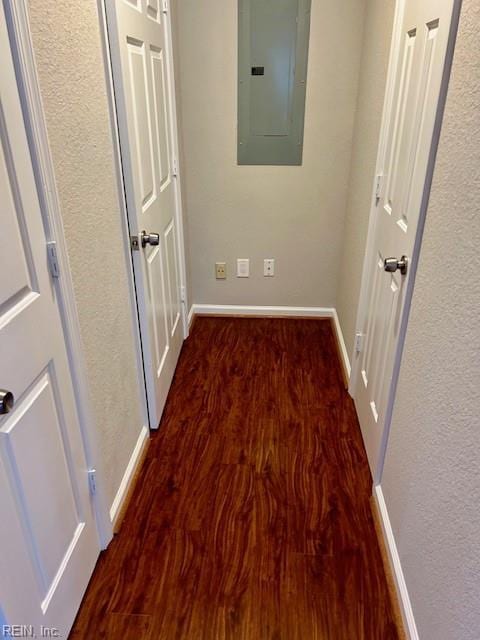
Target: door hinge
<point>165,6</point>
<point>378,187</point>
<point>359,338</point>
<point>182,293</point>
<point>53,259</point>
<point>92,481</point>
<point>174,167</point>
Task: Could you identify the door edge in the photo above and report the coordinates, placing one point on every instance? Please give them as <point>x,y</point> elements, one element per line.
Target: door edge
<point>179,208</point>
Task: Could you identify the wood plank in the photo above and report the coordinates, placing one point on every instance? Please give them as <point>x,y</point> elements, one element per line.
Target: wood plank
<point>251,516</point>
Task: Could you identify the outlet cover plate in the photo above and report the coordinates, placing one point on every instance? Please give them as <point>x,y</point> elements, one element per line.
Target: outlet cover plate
<point>221,270</point>
<point>269,267</point>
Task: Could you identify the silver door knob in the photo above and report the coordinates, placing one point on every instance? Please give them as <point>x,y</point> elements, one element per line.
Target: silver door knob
<point>393,264</point>
<point>6,401</point>
<point>152,239</point>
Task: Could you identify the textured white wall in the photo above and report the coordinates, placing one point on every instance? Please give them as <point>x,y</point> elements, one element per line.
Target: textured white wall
<point>292,214</point>
<point>373,75</point>
<point>431,480</point>
<point>66,37</point>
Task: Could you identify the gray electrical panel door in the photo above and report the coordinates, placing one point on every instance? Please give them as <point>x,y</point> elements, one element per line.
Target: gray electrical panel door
<point>272,73</point>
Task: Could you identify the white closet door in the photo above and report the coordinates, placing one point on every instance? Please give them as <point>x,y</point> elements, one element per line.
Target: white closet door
<point>48,538</point>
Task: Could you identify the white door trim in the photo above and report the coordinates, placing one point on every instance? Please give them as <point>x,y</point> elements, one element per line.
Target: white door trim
<point>370,245</point>
<point>23,54</point>
<point>138,317</point>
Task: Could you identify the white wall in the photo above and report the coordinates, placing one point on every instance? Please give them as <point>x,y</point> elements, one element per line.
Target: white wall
<point>373,76</point>
<point>292,214</point>
<point>66,37</point>
<point>431,480</point>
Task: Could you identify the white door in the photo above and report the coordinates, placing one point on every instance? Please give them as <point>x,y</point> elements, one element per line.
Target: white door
<point>48,538</point>
<point>409,151</point>
<point>139,34</point>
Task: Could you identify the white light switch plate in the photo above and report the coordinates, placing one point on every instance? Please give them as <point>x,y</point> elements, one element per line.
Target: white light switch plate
<point>243,267</point>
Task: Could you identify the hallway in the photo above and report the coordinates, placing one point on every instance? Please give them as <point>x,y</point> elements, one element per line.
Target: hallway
<point>251,516</point>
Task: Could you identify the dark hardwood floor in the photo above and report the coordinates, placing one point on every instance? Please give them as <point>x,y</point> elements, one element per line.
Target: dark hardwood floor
<point>251,515</point>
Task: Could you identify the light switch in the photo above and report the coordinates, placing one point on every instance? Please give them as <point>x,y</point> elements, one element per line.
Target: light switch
<point>243,267</point>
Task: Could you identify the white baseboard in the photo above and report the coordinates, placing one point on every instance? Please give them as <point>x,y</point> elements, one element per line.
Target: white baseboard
<point>400,584</point>
<point>252,310</point>
<point>191,315</point>
<point>342,345</point>
<point>136,456</point>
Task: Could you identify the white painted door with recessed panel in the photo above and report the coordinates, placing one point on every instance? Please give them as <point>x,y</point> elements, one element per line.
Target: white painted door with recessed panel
<point>409,139</point>
<point>48,539</point>
<point>139,35</point>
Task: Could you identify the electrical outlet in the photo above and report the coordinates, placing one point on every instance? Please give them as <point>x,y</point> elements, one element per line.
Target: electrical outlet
<point>243,267</point>
<point>221,270</point>
<point>269,267</point>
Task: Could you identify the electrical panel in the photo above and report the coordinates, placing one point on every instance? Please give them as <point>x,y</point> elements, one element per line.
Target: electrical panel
<point>272,76</point>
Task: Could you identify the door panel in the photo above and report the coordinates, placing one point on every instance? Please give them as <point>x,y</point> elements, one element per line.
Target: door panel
<point>17,283</point>
<point>409,150</point>
<point>162,120</point>
<point>153,10</point>
<point>140,49</point>
<point>274,43</point>
<point>173,282</point>
<point>48,538</point>
<point>42,470</point>
<point>159,329</point>
<point>141,122</point>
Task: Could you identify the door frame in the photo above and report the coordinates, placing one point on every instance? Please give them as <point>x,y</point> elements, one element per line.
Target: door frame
<point>363,303</point>
<point>21,43</point>
<point>123,186</point>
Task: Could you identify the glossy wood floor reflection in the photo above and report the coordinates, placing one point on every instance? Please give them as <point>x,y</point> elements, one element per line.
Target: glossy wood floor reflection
<point>251,516</point>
